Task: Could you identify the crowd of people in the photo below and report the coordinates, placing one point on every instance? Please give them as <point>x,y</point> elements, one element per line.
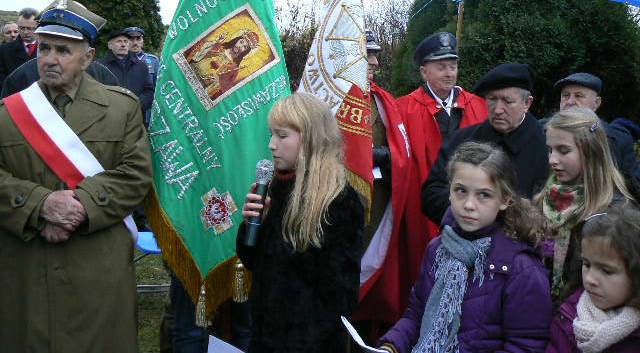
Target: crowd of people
<point>502,232</point>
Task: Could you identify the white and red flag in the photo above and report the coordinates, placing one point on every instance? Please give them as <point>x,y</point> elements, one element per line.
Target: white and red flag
<point>336,72</point>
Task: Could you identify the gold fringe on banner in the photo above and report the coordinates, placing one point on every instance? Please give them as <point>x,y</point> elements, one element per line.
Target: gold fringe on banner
<point>219,281</point>
<point>364,189</point>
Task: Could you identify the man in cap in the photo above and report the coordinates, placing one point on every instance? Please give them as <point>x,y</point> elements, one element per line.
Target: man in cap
<point>583,90</point>
<point>432,113</point>
<point>136,44</point>
<point>131,72</point>
<point>15,53</point>
<point>74,162</point>
<point>507,89</point>
<point>380,305</point>
<point>10,32</point>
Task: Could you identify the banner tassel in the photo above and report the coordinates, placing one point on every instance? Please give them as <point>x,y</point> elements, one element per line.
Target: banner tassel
<point>201,316</point>
<point>240,285</point>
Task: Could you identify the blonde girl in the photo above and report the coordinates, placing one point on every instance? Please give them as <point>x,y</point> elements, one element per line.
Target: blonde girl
<point>306,262</point>
<point>583,181</point>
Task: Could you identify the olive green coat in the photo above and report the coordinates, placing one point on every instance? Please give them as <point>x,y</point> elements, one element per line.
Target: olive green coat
<point>76,296</point>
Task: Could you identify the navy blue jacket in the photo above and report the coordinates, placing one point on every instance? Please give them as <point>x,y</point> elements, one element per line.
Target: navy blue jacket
<point>27,73</point>
<point>133,75</point>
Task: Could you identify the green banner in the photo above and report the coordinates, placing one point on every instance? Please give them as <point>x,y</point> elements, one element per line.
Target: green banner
<point>222,69</point>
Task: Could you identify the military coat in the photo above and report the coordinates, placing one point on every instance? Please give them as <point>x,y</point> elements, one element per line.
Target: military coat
<point>79,295</point>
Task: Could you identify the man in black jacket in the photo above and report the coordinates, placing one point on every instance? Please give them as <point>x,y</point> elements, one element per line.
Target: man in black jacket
<point>507,89</point>
<point>131,72</point>
<point>582,90</point>
<point>17,52</point>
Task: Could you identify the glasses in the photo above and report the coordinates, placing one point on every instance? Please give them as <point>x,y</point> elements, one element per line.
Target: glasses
<point>25,28</point>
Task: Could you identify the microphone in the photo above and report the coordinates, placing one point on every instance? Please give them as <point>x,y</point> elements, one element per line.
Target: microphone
<point>264,173</point>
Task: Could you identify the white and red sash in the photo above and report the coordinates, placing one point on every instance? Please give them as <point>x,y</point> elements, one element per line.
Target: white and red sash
<point>54,141</point>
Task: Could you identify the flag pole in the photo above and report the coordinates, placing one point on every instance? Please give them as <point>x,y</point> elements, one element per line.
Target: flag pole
<point>460,19</point>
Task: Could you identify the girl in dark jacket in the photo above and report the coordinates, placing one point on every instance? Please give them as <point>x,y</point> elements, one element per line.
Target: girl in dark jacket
<point>604,315</point>
<point>306,263</point>
<point>482,287</point>
<point>584,181</point>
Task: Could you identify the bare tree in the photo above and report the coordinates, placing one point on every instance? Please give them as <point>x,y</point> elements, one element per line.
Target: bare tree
<point>388,21</point>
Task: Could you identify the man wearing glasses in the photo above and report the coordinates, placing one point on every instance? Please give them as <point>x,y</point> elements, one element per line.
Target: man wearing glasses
<point>25,47</point>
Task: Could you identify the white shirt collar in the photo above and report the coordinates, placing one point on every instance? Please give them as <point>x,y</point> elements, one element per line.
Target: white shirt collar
<point>447,104</point>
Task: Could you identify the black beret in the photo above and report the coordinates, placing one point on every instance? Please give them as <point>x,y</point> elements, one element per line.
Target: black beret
<point>581,79</point>
<point>118,33</point>
<point>505,75</point>
<point>438,46</point>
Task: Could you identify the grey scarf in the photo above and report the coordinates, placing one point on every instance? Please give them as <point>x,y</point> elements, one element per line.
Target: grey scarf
<point>441,319</point>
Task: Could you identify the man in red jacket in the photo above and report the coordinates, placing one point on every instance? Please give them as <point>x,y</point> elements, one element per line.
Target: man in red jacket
<point>432,113</point>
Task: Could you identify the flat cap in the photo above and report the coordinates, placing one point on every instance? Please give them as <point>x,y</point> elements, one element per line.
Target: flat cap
<point>581,79</point>
<point>505,75</point>
<point>118,33</point>
<point>70,19</point>
<point>438,46</point>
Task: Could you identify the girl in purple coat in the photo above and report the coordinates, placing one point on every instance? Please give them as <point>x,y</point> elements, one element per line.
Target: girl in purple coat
<point>482,287</point>
<point>604,315</point>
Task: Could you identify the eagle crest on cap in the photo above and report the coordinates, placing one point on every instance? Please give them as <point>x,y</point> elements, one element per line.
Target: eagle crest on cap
<point>62,5</point>
<point>445,41</point>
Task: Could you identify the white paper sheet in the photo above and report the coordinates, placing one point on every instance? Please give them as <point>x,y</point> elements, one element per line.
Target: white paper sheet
<point>356,337</point>
<point>217,345</point>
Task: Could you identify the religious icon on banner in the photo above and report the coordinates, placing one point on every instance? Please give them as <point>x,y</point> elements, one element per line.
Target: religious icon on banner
<point>226,56</point>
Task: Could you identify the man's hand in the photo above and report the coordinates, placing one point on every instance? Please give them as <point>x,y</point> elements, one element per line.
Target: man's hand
<point>63,209</point>
<point>55,234</point>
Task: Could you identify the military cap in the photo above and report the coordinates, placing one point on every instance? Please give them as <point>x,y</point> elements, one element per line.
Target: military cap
<point>70,19</point>
<point>438,46</point>
<point>506,75</point>
<point>372,45</point>
<point>581,79</point>
<point>134,31</point>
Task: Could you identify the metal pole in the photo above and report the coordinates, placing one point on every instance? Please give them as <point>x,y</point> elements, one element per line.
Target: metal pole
<point>460,19</point>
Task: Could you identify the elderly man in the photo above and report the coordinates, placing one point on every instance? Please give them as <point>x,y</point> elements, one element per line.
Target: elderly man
<point>10,32</point>
<point>74,162</point>
<point>433,112</point>
<point>582,90</point>
<point>14,54</point>
<point>131,72</point>
<point>507,89</point>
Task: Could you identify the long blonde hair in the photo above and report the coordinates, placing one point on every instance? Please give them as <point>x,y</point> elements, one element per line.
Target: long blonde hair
<point>320,172</point>
<point>600,177</point>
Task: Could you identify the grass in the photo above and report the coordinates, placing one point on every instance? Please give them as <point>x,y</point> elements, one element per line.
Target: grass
<point>150,270</point>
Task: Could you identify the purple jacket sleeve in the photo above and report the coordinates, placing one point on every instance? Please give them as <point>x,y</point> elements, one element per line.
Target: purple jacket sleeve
<point>405,333</point>
<point>526,313</point>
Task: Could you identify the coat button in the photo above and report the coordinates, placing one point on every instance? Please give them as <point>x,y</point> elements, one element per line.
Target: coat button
<point>492,266</point>
<point>504,268</point>
<point>19,199</point>
<point>102,196</point>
